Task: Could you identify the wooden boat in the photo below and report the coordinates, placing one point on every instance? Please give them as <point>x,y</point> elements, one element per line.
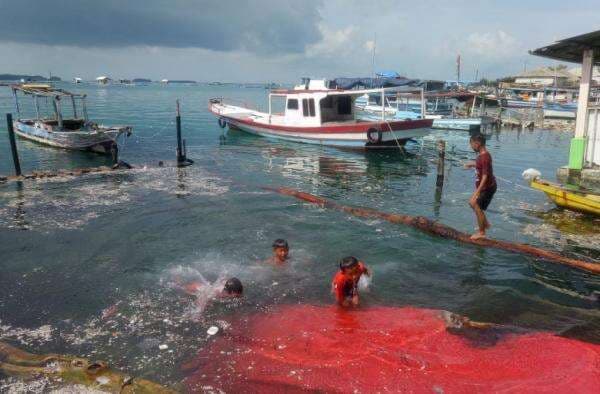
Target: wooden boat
<point>575,199</point>
<point>76,133</point>
<point>316,114</point>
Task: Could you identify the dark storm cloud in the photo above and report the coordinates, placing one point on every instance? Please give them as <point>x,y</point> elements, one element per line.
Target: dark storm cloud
<point>264,26</point>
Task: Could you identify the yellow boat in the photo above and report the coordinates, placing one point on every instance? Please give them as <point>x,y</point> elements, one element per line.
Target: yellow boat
<point>570,197</point>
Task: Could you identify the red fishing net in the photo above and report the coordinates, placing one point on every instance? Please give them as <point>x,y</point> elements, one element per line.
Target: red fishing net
<point>313,348</point>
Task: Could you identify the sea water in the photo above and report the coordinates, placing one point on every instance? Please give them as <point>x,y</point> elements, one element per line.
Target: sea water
<point>85,261</point>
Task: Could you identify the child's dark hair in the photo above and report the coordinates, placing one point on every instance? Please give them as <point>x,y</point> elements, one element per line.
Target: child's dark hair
<point>348,262</point>
<point>280,243</point>
<point>478,138</point>
<point>233,286</point>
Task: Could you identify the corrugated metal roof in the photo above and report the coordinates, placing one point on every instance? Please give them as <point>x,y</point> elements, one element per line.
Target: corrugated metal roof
<point>571,49</point>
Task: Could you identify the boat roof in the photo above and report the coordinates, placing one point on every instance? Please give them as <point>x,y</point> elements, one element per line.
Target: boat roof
<point>342,92</point>
<point>43,90</point>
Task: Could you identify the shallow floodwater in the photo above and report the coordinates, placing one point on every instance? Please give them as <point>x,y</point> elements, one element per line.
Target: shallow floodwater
<point>88,263</point>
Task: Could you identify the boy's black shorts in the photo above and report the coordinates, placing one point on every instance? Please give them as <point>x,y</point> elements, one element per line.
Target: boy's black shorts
<point>485,198</point>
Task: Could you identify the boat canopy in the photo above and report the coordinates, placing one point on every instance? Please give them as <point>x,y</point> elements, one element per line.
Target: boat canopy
<point>44,90</point>
<point>389,74</point>
<point>383,82</point>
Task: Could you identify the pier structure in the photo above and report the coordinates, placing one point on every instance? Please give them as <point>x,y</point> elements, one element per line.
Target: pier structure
<point>583,168</point>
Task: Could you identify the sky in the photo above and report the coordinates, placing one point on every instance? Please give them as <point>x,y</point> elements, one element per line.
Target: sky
<point>283,40</point>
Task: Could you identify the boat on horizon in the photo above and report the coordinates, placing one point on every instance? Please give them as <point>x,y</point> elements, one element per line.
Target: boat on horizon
<point>75,133</point>
<point>316,112</point>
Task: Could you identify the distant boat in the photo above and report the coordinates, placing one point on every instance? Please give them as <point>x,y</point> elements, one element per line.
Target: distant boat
<point>316,114</point>
<point>77,80</point>
<point>75,133</point>
<point>164,81</point>
<point>103,80</point>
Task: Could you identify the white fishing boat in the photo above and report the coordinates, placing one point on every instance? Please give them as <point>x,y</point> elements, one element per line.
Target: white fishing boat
<point>50,127</point>
<point>396,110</point>
<point>316,114</point>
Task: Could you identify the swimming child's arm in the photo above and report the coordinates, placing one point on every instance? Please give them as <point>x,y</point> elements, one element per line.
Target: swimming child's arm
<point>364,269</point>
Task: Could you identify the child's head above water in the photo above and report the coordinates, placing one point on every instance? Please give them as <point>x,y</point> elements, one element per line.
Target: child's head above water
<point>350,265</point>
<point>233,287</point>
<point>281,250</point>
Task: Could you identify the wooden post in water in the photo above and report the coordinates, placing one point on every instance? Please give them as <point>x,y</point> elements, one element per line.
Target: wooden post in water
<point>441,145</point>
<point>439,183</point>
<point>13,144</point>
<point>182,159</point>
<point>180,155</point>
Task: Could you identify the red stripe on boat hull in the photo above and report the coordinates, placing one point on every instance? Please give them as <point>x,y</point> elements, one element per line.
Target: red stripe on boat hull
<point>361,127</point>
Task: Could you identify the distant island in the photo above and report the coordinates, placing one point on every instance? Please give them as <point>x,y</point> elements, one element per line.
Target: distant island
<point>180,81</point>
<point>141,80</point>
<point>27,78</point>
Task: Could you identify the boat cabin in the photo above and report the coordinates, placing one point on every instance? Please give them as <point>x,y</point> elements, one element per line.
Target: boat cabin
<point>313,103</point>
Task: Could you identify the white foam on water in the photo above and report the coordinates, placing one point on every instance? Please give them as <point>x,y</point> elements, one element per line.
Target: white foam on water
<point>27,336</point>
<point>70,203</point>
<point>549,234</point>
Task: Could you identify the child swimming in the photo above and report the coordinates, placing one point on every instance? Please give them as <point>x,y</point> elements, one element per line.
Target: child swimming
<point>281,252</point>
<point>192,282</point>
<point>232,288</point>
<point>345,282</point>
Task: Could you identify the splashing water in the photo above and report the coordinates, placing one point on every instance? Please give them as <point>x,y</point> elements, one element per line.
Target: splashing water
<point>190,281</point>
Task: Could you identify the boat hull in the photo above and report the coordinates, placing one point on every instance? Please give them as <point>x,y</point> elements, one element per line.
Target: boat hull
<point>559,113</point>
<point>569,199</point>
<point>347,140</point>
<point>349,135</point>
<point>95,141</point>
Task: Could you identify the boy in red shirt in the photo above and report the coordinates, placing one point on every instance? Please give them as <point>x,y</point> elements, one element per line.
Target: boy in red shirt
<point>485,184</point>
<point>345,281</point>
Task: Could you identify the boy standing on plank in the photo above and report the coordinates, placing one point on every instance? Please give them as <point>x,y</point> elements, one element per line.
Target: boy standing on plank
<point>485,184</point>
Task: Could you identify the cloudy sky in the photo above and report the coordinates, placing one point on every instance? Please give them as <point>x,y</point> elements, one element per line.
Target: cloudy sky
<point>282,40</point>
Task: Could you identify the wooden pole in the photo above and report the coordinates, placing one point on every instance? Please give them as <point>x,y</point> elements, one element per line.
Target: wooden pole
<point>17,103</point>
<point>383,105</point>
<point>423,104</point>
<point>182,160</point>
<point>37,107</point>
<point>74,107</point>
<point>434,228</point>
<point>13,144</point>
<point>84,109</point>
<point>441,145</point>
<point>180,155</point>
<point>270,107</point>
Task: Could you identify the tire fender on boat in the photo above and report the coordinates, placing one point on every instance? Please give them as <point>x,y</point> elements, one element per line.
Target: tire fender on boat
<point>222,123</point>
<point>374,136</point>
